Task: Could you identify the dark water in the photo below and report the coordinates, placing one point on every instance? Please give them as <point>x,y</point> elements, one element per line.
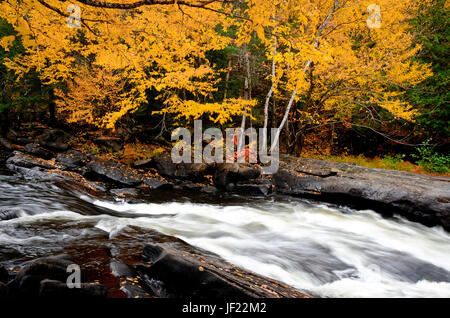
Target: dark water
<point>327,250</point>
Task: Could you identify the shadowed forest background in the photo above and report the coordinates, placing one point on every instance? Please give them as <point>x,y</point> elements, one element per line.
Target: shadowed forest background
<point>335,88</point>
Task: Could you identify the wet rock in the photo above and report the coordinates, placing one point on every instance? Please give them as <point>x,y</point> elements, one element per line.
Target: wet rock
<point>157,184</point>
<point>250,189</point>
<point>231,173</point>
<point>58,289</point>
<point>115,172</point>
<point>37,151</point>
<point>26,161</point>
<point>420,198</point>
<point>209,189</point>
<point>4,275</point>
<point>125,192</point>
<point>27,281</point>
<point>174,272</point>
<point>7,215</point>
<point>128,280</point>
<point>72,159</point>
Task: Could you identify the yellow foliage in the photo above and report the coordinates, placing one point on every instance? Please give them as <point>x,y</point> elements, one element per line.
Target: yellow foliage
<point>6,42</point>
<point>325,50</point>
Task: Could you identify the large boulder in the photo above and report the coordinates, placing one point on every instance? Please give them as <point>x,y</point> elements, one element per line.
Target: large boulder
<point>26,161</point>
<point>165,166</point>
<point>116,172</point>
<point>47,277</point>
<point>7,215</point>
<point>231,173</point>
<point>179,273</point>
<point>417,197</point>
<point>35,150</point>
<point>72,160</point>
<point>27,281</point>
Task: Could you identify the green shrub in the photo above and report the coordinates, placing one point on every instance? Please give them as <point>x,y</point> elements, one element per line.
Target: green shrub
<point>431,160</point>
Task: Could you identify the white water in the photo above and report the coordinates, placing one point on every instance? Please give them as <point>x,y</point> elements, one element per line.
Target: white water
<point>330,252</point>
<point>327,251</point>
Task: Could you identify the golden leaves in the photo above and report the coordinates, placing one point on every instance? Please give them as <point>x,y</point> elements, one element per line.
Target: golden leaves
<point>7,41</point>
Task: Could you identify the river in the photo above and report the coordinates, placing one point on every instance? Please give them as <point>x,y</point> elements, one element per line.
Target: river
<point>326,250</point>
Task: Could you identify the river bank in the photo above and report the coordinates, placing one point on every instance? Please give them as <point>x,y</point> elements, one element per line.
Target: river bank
<point>407,194</point>
<point>419,198</point>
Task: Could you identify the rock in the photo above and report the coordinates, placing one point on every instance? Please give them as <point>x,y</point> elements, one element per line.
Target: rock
<point>192,171</point>
<point>24,160</point>
<point>111,142</point>
<point>27,281</point>
<point>55,140</point>
<point>4,275</point>
<point>125,192</point>
<point>7,145</point>
<point>142,164</point>
<point>157,184</point>
<point>127,276</point>
<point>58,289</point>
<point>421,198</point>
<point>116,172</point>
<point>175,272</point>
<point>7,215</point>
<point>72,159</point>
<point>55,146</point>
<point>209,189</point>
<point>165,166</point>
<point>191,186</point>
<point>234,172</point>
<point>37,151</point>
<point>4,291</point>
<point>250,189</point>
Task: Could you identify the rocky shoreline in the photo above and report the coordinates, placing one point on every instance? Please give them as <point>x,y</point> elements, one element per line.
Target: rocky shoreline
<point>420,198</point>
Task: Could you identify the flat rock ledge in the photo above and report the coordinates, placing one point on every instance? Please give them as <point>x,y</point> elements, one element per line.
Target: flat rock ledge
<point>421,198</point>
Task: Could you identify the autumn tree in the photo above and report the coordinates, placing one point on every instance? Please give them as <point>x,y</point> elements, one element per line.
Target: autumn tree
<point>160,46</point>
<point>330,59</point>
<point>335,58</point>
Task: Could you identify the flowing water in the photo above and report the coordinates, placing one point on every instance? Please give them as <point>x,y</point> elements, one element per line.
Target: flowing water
<point>326,250</point>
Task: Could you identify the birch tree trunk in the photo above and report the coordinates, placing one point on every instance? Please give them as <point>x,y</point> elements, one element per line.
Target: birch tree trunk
<point>269,94</point>
<point>308,64</point>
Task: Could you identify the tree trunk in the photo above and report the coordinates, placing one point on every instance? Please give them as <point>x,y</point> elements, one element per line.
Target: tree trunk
<point>308,64</point>
<point>227,78</point>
